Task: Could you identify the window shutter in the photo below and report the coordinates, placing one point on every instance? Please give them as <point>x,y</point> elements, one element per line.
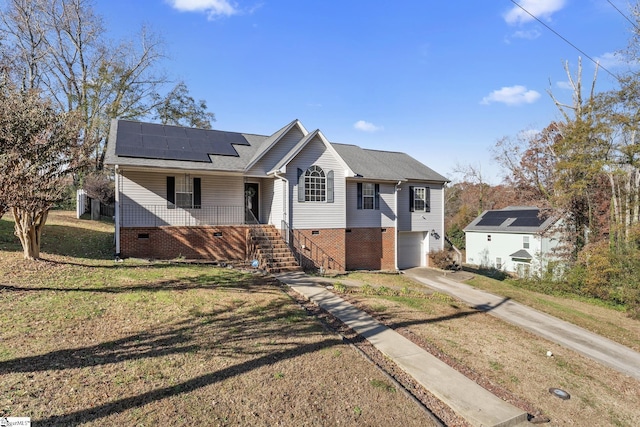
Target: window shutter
<point>427,202</point>
<point>171,192</point>
<point>300,185</point>
<point>359,195</point>
<point>197,193</point>
<point>377,197</point>
<point>411,196</point>
<point>330,187</point>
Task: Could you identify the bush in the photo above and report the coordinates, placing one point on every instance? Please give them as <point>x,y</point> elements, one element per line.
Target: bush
<point>443,259</point>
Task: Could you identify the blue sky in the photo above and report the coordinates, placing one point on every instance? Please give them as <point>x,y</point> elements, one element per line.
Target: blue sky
<point>441,81</point>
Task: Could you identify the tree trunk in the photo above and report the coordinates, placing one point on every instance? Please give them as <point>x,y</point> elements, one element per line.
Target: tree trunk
<point>28,228</point>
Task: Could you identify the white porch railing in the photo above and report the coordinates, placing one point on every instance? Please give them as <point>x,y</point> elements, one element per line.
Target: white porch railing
<point>133,215</point>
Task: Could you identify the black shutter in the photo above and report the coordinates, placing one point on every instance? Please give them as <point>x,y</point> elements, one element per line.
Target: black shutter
<point>411,196</point>
<point>197,193</point>
<point>427,202</point>
<point>330,187</point>
<point>300,185</point>
<point>377,197</point>
<point>359,195</point>
<point>171,192</point>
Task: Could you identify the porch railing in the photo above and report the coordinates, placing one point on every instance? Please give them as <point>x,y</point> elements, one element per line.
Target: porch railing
<point>134,215</point>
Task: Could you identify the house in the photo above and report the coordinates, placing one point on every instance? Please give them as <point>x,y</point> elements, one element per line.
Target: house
<point>201,193</point>
<point>519,240</point>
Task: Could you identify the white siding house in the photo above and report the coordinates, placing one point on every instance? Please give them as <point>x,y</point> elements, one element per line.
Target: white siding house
<point>517,240</point>
<point>195,191</point>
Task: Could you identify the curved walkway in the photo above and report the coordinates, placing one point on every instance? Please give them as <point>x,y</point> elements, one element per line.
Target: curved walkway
<point>469,400</point>
<point>596,347</point>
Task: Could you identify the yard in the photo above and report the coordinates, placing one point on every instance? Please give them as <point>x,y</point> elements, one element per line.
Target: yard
<point>88,341</point>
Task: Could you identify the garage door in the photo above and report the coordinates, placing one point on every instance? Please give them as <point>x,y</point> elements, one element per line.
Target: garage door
<point>410,249</point>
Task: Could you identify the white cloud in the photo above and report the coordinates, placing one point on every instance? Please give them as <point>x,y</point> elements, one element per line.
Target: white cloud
<point>513,95</point>
<point>542,9</point>
<point>529,35</point>
<point>366,126</point>
<point>213,8</point>
<point>566,85</point>
<point>611,60</point>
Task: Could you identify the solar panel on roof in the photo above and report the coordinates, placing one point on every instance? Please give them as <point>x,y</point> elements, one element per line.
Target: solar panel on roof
<point>528,222</point>
<point>493,218</point>
<point>155,141</point>
<point>522,218</point>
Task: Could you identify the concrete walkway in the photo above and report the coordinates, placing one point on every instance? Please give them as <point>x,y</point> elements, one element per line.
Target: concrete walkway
<point>594,346</point>
<point>472,402</point>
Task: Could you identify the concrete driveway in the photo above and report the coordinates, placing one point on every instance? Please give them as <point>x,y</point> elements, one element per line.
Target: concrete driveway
<point>568,335</point>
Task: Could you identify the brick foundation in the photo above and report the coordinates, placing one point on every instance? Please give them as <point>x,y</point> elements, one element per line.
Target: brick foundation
<point>323,247</point>
<point>370,248</point>
<point>223,243</point>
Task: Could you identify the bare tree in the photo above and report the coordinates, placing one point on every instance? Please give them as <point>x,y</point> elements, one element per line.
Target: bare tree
<point>59,47</point>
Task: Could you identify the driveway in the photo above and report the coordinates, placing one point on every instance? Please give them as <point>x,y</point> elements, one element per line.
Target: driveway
<point>591,345</point>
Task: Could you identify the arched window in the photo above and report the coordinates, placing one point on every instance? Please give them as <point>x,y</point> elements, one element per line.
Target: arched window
<point>315,185</point>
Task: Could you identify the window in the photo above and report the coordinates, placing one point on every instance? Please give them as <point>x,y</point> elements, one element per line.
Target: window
<point>183,192</point>
<point>315,185</point>
<point>420,199</point>
<point>525,242</point>
<point>368,195</point>
<point>498,263</point>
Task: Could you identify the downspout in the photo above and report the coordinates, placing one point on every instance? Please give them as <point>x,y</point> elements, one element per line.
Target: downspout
<point>117,208</point>
<point>285,208</point>
<point>444,232</point>
<point>395,223</point>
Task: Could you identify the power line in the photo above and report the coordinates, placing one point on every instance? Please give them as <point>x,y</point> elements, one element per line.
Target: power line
<point>625,16</point>
<point>565,40</point>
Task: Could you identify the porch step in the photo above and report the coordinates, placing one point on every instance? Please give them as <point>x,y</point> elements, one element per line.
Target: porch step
<point>273,252</point>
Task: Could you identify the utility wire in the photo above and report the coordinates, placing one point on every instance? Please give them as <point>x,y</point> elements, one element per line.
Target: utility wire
<point>625,16</point>
<point>565,40</point>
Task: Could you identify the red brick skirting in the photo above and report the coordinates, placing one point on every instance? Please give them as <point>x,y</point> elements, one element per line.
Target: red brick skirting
<point>370,248</point>
<point>331,249</point>
<point>207,242</point>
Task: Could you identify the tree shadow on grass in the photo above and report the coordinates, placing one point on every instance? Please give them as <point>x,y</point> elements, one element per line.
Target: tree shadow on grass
<point>120,405</point>
<point>223,332</point>
<point>472,311</point>
<point>231,280</point>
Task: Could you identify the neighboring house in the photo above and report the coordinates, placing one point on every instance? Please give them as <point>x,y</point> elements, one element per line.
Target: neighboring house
<point>515,239</point>
<point>197,193</point>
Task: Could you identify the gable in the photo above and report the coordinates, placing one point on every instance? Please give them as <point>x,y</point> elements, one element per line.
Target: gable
<point>279,148</point>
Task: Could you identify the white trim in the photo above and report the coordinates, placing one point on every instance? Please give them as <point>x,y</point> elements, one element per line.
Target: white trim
<point>303,143</point>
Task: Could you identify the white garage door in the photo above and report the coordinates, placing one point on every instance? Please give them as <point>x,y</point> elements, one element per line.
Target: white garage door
<point>410,249</point>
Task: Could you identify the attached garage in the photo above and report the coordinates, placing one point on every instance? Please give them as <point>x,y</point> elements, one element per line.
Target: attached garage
<point>411,249</point>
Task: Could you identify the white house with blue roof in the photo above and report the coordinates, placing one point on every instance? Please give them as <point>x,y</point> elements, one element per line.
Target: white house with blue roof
<point>199,193</point>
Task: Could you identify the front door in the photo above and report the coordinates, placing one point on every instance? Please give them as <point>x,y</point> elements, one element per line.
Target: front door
<point>251,201</point>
